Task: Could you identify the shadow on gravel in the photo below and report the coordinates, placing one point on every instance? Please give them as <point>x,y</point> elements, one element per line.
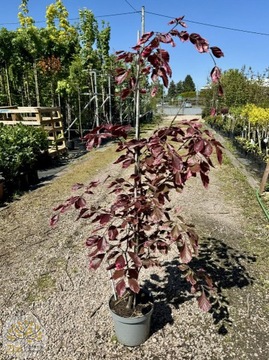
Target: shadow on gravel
<point>225,265</point>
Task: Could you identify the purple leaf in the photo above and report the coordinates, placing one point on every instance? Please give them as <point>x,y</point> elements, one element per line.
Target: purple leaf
<point>162,247</point>
<point>133,273</point>
<point>185,254</point>
<point>134,286</point>
<point>120,79</point>
<point>199,146</point>
<point>83,214</point>
<point>118,274</point>
<point>104,218</point>
<point>190,278</point>
<point>203,302</point>
<point>178,21</point>
<point>145,37</point>
<point>102,244</point>
<point>80,203</point>
<point>200,43</point>
<point>154,91</point>
<point>207,149</point>
<point>121,287</point>
<point>175,232</point>
<point>137,261</point>
<point>120,262</point>
<point>54,219</point>
<point>77,186</point>
<point>216,51</point>
<point>96,261</point>
<point>215,74</point>
<point>219,154</point>
<point>146,51</point>
<point>176,162</point>
<point>112,232</point>
<point>205,179</point>
<point>59,207</point>
<point>164,55</point>
<point>92,240</point>
<point>184,36</point>
<point>163,75</point>
<point>165,38</point>
<point>125,93</point>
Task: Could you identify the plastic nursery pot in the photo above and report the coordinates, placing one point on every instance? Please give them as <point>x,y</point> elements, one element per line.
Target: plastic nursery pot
<point>70,144</point>
<point>133,330</point>
<point>1,189</point>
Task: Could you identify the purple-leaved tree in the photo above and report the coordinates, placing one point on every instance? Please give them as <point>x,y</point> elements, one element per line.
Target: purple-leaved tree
<point>139,223</point>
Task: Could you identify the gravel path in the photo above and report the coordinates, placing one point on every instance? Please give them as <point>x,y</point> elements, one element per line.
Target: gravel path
<point>45,280</point>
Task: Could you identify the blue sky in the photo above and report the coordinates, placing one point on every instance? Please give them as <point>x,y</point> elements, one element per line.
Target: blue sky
<point>217,21</point>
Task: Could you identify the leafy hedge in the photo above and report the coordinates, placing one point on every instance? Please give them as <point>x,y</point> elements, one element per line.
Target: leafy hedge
<point>20,148</point>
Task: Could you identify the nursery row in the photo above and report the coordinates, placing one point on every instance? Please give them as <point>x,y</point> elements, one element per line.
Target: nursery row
<point>20,149</point>
<point>248,125</point>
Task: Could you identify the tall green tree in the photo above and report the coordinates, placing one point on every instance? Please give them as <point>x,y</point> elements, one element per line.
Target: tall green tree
<point>236,87</point>
<point>180,87</point>
<point>6,48</point>
<point>172,90</point>
<point>62,36</point>
<point>28,44</point>
<point>88,33</point>
<point>188,84</point>
<point>62,43</point>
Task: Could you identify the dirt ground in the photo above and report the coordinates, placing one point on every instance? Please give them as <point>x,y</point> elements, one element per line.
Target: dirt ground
<point>44,275</point>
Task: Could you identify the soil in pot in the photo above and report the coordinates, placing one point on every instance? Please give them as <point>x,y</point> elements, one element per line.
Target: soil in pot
<point>144,303</point>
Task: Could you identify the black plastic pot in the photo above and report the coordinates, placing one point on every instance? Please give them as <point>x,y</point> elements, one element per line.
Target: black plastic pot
<point>70,144</point>
<point>1,189</point>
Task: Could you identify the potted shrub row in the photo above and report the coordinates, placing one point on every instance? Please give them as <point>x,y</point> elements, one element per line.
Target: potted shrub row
<point>20,148</point>
<point>128,233</point>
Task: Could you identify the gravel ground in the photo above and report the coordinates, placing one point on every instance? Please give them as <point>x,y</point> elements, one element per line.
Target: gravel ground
<point>45,280</point>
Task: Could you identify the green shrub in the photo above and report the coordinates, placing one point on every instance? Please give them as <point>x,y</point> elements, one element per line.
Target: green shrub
<point>20,147</point>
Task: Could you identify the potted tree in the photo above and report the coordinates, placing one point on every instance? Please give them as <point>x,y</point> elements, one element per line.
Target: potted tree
<point>140,223</point>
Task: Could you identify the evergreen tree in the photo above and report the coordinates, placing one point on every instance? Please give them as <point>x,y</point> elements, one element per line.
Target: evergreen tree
<point>172,90</point>
<point>188,84</point>
<point>180,87</point>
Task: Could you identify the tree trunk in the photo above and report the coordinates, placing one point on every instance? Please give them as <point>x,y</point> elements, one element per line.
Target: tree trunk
<point>36,84</point>
<point>8,87</point>
<point>264,178</point>
<point>248,134</point>
<point>259,139</point>
<point>27,91</point>
<point>52,94</point>
<point>68,110</point>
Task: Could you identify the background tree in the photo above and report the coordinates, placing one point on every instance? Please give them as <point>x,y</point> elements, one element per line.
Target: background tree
<point>179,87</point>
<point>188,84</point>
<point>172,91</point>
<point>28,46</point>
<point>258,91</point>
<point>6,47</point>
<point>236,87</point>
<point>88,31</point>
